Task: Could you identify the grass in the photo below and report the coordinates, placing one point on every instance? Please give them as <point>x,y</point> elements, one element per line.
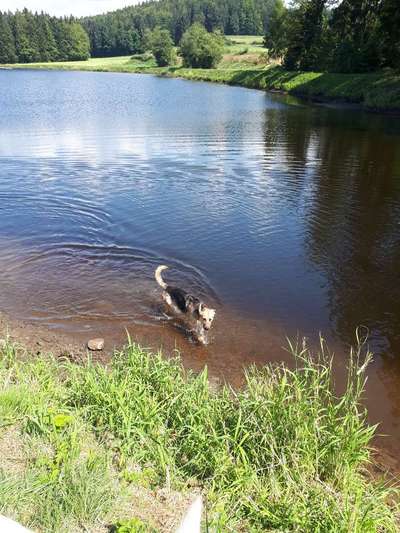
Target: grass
<point>245,63</point>
<point>240,44</point>
<point>85,446</point>
<point>379,90</point>
<point>102,64</point>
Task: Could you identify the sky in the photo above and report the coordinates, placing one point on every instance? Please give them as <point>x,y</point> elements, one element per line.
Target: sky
<point>79,8</point>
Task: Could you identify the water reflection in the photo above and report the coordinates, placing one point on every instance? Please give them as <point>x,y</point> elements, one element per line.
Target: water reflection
<point>348,194</point>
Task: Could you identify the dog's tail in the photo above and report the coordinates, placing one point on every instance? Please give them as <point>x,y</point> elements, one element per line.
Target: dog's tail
<point>158,277</point>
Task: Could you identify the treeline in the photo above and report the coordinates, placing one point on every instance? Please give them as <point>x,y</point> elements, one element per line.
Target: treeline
<point>346,36</point>
<point>27,37</point>
<point>124,31</point>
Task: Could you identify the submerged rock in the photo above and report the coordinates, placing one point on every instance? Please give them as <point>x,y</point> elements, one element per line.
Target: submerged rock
<point>95,344</point>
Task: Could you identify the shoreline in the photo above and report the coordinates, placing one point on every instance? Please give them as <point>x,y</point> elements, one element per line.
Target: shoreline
<point>308,92</point>
<point>37,341</point>
<point>377,92</point>
<point>143,436</point>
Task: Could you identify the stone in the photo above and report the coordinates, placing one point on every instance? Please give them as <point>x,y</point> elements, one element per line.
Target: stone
<point>95,344</point>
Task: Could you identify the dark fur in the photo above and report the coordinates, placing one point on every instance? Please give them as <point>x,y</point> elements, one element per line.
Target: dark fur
<point>185,302</point>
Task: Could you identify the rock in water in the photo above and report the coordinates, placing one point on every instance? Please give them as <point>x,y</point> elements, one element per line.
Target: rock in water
<point>95,344</point>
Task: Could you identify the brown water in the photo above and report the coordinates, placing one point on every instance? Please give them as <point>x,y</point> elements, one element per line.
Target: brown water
<point>284,216</point>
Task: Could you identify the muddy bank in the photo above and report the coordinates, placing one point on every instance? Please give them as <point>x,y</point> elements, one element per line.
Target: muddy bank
<point>38,339</point>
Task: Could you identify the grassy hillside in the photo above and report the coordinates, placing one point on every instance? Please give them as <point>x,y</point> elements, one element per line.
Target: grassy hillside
<point>84,447</point>
<point>377,90</point>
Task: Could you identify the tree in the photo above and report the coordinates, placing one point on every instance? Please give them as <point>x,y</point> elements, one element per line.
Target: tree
<point>355,32</point>
<point>47,45</point>
<point>275,39</point>
<point>212,16</point>
<point>23,48</point>
<point>294,38</point>
<point>80,43</point>
<point>345,36</point>
<point>176,16</point>
<point>27,37</point>
<point>305,30</point>
<point>7,46</point>
<point>389,32</point>
<point>201,49</point>
<point>250,18</point>
<point>128,41</point>
<point>314,26</point>
<point>162,46</point>
<point>74,45</point>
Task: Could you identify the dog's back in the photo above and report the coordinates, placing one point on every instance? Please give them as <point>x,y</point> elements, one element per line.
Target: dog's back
<point>184,301</point>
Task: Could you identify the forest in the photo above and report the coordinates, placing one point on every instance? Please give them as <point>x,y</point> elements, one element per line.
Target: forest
<point>326,35</point>
<point>306,35</point>
<point>27,37</point>
<point>123,32</point>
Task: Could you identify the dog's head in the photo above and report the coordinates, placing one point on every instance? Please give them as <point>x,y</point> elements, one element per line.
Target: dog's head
<point>207,316</point>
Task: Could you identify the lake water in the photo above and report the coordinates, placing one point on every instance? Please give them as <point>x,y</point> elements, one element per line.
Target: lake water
<point>284,216</point>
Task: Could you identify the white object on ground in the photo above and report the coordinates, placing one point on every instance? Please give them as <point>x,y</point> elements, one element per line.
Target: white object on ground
<point>192,520</point>
<point>9,526</point>
<point>96,345</point>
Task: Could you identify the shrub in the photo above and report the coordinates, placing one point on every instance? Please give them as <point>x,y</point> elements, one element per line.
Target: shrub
<point>201,49</point>
<point>162,46</point>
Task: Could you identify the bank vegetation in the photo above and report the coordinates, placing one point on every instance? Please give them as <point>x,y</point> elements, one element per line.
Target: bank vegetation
<point>86,446</point>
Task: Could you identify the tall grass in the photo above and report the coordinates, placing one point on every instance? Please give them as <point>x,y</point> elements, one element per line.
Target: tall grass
<point>282,453</point>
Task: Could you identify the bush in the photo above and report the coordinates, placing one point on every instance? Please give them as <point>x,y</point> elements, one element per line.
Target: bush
<point>201,49</point>
<point>162,46</point>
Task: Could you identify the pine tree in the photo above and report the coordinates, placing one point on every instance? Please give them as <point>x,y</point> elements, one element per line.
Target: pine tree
<point>78,45</point>
<point>7,46</point>
<point>22,44</point>
<point>32,31</point>
<point>46,42</point>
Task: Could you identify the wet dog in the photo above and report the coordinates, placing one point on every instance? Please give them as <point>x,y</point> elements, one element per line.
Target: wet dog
<point>184,303</point>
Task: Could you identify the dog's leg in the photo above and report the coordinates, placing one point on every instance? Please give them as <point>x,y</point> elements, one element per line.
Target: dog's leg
<point>167,298</point>
<point>200,334</point>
